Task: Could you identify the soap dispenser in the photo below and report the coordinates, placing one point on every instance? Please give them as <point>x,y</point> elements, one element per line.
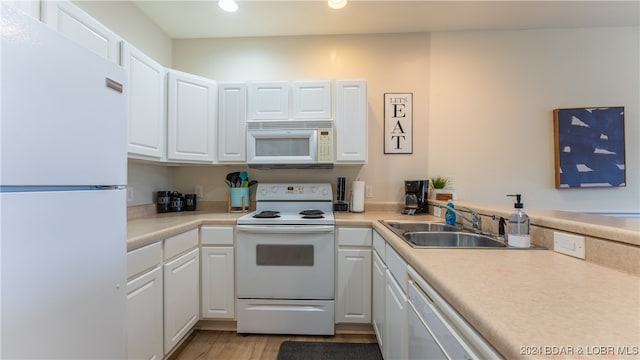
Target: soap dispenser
<point>450,215</point>
<point>519,226</point>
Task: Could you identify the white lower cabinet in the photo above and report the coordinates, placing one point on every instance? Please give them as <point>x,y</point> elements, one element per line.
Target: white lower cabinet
<point>144,316</point>
<point>396,320</point>
<point>353,280</point>
<point>217,272</point>
<point>379,286</point>
<point>181,287</point>
<point>217,283</point>
<point>389,300</point>
<point>181,297</point>
<point>144,303</point>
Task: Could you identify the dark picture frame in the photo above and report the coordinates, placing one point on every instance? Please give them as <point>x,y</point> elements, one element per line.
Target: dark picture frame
<point>589,147</point>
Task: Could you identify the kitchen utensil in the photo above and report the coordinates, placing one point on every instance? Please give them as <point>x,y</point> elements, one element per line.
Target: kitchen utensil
<point>228,183</point>
<point>234,178</point>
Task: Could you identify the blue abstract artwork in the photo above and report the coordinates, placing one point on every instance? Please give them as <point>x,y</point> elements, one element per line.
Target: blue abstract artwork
<point>589,147</point>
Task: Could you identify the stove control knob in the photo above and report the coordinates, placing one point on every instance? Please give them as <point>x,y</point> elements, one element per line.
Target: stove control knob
<point>264,191</point>
<point>324,191</point>
<point>314,189</point>
<point>274,189</point>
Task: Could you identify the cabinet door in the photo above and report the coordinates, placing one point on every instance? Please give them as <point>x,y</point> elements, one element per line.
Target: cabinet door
<point>396,321</point>
<point>79,26</point>
<point>218,297</point>
<point>144,316</point>
<point>191,107</point>
<point>311,99</point>
<point>147,122</point>
<point>232,122</point>
<point>353,301</point>
<point>268,100</point>
<point>379,285</point>
<point>181,297</point>
<point>351,121</point>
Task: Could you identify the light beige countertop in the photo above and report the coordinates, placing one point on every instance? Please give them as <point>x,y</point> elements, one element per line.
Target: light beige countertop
<point>526,303</point>
<point>534,303</point>
<point>157,227</point>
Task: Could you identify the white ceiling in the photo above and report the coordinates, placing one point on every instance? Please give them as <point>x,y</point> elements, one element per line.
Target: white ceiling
<point>203,19</point>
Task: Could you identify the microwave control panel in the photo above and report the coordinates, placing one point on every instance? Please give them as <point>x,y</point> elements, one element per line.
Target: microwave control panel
<point>325,143</point>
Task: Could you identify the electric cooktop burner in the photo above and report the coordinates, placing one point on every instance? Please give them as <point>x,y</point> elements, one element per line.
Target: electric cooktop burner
<point>312,212</point>
<point>267,214</point>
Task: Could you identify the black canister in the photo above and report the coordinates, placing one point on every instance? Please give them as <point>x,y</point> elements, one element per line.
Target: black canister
<point>190,202</point>
<point>177,202</point>
<point>163,201</point>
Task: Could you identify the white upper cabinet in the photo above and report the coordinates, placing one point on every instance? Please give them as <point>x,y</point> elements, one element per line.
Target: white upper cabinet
<point>147,117</point>
<point>191,113</point>
<point>351,121</point>
<point>311,99</point>
<point>79,26</point>
<point>268,100</point>
<point>232,122</point>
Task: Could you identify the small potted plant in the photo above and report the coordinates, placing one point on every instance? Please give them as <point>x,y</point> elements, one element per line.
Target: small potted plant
<point>439,190</point>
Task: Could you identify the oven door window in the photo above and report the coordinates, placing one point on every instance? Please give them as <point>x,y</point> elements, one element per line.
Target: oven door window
<point>284,255</point>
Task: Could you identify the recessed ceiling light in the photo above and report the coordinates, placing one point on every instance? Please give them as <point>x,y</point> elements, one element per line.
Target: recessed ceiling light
<point>337,4</point>
<point>228,5</point>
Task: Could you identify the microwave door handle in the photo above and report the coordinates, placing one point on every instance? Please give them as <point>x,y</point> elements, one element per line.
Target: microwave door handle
<point>287,229</point>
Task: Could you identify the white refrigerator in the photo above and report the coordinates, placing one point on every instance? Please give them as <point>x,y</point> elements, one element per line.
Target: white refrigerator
<point>63,201</point>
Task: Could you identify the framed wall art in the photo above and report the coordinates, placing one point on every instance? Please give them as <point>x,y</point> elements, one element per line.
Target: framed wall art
<point>398,123</point>
<point>589,147</point>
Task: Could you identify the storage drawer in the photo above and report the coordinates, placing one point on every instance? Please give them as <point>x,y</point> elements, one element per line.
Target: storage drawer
<point>144,258</point>
<point>354,236</point>
<point>379,244</point>
<point>397,266</point>
<point>180,243</point>
<point>216,235</point>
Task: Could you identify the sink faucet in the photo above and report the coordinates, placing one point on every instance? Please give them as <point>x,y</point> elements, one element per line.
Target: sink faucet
<point>475,220</point>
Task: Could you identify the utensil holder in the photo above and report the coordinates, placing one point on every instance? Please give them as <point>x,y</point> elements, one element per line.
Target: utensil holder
<point>238,199</point>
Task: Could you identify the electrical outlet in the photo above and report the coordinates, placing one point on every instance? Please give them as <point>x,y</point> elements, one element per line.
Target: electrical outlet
<point>199,191</point>
<point>129,193</point>
<point>437,212</point>
<point>368,191</point>
<point>568,244</point>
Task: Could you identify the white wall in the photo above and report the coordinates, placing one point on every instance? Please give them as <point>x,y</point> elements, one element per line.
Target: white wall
<point>491,121</point>
<point>483,105</point>
<point>390,63</point>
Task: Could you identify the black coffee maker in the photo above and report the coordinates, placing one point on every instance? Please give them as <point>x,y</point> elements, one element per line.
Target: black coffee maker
<point>415,197</point>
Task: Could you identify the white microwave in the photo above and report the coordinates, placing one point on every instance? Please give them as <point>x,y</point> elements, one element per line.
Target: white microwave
<point>290,144</point>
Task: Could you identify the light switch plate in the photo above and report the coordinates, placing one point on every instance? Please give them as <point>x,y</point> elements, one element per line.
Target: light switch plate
<point>437,212</point>
<point>568,244</point>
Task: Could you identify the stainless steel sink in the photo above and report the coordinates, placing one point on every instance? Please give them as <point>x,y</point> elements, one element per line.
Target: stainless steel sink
<point>451,239</point>
<point>418,226</point>
<point>439,235</point>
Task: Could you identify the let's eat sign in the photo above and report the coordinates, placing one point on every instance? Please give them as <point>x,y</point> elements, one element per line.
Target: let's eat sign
<point>398,123</point>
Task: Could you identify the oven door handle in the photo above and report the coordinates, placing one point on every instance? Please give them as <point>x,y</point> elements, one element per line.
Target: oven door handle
<point>287,229</point>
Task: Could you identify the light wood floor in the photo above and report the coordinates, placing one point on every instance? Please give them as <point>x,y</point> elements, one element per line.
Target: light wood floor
<point>210,344</point>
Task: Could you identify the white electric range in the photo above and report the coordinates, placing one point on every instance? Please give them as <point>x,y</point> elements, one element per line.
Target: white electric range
<point>285,261</point>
